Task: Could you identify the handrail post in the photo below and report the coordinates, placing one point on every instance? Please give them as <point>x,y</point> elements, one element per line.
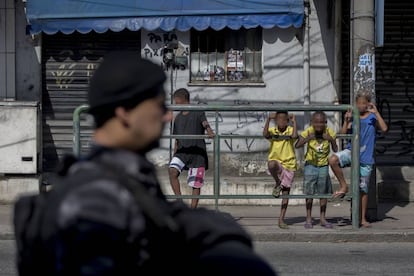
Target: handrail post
<point>355,174</point>
<point>76,129</point>
<point>216,161</point>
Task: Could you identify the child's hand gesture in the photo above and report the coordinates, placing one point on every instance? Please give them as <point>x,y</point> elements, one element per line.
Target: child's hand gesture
<point>292,118</point>
<point>327,137</point>
<point>311,136</point>
<point>372,108</point>
<point>272,115</point>
<point>348,115</point>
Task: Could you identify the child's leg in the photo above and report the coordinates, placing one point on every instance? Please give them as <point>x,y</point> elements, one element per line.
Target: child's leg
<point>175,168</point>
<point>337,170</point>
<point>364,207</point>
<point>174,181</point>
<point>284,206</point>
<point>365,171</point>
<point>194,201</point>
<point>309,202</point>
<point>323,202</point>
<point>274,169</point>
<point>195,180</point>
<point>310,178</point>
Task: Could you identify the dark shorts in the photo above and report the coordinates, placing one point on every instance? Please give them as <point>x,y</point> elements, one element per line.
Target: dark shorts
<point>192,158</point>
<point>316,180</point>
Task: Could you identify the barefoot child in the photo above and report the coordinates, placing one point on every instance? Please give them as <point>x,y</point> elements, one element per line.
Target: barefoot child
<point>316,179</point>
<point>370,119</point>
<point>282,158</point>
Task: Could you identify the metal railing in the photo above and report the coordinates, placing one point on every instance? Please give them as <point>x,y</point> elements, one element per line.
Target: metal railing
<point>218,136</point>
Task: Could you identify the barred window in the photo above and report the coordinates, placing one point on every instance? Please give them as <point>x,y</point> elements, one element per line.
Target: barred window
<point>226,56</point>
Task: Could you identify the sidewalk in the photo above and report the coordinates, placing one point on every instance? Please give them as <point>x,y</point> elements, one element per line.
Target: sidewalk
<point>395,223</point>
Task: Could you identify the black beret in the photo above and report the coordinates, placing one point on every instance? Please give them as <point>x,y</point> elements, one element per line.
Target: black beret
<point>123,77</point>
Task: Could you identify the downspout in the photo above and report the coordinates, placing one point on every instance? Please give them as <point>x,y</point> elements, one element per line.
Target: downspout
<point>351,53</point>
<point>338,61</point>
<point>306,71</point>
<point>306,61</point>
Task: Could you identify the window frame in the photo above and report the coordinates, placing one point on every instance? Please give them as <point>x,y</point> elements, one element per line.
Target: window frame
<point>256,51</point>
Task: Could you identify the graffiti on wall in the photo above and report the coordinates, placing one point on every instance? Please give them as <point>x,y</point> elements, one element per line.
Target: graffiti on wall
<point>165,48</point>
<point>65,74</point>
<point>394,87</point>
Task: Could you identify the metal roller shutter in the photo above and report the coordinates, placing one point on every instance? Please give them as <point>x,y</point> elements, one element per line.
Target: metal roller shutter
<point>68,62</point>
<point>394,81</point>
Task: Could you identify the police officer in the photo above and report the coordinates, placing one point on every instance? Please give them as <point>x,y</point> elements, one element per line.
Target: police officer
<point>115,220</point>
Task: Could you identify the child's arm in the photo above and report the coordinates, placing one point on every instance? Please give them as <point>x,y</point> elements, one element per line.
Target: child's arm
<point>347,122</point>
<point>331,140</point>
<point>380,121</point>
<point>301,141</point>
<point>266,133</point>
<point>294,131</point>
<point>208,128</point>
<point>304,138</point>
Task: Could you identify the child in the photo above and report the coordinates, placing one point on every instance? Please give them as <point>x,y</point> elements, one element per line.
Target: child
<point>189,154</point>
<point>370,118</point>
<point>281,158</point>
<point>316,178</point>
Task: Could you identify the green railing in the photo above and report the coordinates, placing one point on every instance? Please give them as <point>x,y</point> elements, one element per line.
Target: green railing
<point>216,147</point>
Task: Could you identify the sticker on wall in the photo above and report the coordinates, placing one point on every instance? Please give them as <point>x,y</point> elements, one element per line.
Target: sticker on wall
<point>364,73</point>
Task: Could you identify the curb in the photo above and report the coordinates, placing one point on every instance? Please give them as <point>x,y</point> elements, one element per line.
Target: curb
<point>7,236</point>
<point>335,237</point>
<point>353,236</point>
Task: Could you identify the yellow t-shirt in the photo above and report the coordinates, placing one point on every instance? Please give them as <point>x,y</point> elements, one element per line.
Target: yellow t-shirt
<point>317,152</point>
<point>282,150</point>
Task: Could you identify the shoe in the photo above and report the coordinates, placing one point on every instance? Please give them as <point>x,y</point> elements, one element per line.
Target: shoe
<point>308,225</point>
<point>338,196</point>
<point>327,225</point>
<point>276,191</point>
<point>283,226</point>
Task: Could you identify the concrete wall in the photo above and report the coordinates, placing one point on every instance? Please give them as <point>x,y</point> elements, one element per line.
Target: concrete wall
<point>28,60</point>
<point>20,82</point>
<point>7,50</point>
<point>283,76</point>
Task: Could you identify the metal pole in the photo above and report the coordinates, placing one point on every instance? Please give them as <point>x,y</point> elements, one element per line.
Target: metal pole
<point>237,108</point>
<point>306,60</point>
<point>355,170</point>
<point>338,61</point>
<point>363,50</point>
<point>363,71</point>
<point>76,129</point>
<point>351,51</point>
<point>216,161</point>
<point>171,102</point>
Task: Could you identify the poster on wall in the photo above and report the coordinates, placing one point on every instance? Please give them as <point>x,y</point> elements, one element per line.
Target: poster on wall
<point>235,65</point>
<point>169,49</point>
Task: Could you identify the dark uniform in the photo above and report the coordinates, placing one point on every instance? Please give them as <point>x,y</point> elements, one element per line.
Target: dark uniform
<point>119,235</point>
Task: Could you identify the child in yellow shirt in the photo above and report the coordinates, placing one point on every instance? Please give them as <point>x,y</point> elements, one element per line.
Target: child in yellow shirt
<point>316,179</point>
<point>282,158</point>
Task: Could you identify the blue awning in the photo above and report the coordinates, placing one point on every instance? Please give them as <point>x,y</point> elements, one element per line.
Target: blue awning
<point>67,16</point>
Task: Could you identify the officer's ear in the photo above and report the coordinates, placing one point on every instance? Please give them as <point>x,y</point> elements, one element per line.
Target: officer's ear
<point>122,115</point>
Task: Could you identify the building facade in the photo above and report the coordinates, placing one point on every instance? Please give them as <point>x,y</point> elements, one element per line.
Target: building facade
<point>274,53</point>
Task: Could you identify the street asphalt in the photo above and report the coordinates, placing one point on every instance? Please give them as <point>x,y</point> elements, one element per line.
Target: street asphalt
<point>394,223</point>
